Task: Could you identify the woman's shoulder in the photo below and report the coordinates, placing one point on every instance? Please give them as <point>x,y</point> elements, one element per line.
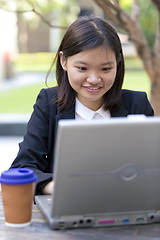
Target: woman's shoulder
<point>137,102</point>
<point>46,97</point>
<point>133,96</point>
<point>50,92</point>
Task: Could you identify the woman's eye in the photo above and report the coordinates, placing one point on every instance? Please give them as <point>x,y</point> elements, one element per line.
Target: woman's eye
<point>82,68</point>
<point>106,69</point>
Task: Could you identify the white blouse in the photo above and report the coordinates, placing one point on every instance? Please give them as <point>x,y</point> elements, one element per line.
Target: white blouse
<point>84,113</point>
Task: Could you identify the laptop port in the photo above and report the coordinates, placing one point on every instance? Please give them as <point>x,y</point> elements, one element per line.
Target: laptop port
<point>81,221</point>
<point>140,219</point>
<point>125,220</point>
<point>61,224</point>
<point>88,221</point>
<point>108,221</point>
<point>75,224</point>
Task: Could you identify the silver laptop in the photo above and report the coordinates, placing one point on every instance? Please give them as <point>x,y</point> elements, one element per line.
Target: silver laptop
<point>107,173</point>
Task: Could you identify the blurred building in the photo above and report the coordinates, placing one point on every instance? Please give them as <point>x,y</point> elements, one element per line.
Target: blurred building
<point>33,36</point>
<point>37,36</point>
<point>89,7</point>
<point>41,38</point>
<point>8,46</point>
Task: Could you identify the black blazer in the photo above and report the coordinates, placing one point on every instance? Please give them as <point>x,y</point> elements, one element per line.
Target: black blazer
<point>37,149</point>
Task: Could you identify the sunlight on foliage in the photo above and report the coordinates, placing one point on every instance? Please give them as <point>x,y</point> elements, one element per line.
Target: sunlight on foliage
<point>126,5</point>
<point>65,11</point>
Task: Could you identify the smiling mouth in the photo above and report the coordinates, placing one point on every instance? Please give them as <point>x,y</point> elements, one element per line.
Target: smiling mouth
<point>93,88</point>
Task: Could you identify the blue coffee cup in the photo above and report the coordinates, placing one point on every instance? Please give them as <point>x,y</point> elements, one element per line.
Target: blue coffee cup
<point>18,186</point>
<point>16,176</point>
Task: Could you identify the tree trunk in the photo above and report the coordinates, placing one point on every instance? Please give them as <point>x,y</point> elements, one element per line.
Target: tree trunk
<point>155,83</point>
<point>155,96</point>
<point>149,57</point>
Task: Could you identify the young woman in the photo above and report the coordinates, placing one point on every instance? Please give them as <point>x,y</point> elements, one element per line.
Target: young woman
<point>89,73</point>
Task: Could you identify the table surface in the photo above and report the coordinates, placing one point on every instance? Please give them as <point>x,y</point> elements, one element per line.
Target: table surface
<point>39,229</point>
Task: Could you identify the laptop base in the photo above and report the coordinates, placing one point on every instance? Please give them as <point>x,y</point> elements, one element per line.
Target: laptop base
<point>100,220</point>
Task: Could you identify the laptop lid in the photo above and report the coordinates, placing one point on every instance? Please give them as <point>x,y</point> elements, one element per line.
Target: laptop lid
<point>107,171</point>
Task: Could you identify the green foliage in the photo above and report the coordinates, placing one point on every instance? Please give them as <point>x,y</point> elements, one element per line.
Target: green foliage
<point>60,11</point>
<point>126,5</point>
<point>148,20</point>
<point>64,11</point>
<point>148,17</point>
<point>13,5</point>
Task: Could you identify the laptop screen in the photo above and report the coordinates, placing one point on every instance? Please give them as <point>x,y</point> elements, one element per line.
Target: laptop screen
<point>107,166</point>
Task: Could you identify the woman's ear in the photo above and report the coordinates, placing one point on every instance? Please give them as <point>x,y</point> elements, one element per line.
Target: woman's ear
<point>63,61</point>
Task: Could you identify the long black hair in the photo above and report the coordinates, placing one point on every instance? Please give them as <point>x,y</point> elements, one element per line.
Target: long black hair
<point>87,33</point>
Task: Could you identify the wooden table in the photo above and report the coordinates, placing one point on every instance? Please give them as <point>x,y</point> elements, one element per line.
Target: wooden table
<point>39,230</point>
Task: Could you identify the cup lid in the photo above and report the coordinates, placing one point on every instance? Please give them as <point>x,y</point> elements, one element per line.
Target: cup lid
<point>16,176</point>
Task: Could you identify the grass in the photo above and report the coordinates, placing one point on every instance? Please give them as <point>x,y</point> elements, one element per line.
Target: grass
<point>21,100</point>
<point>137,80</point>
<point>133,63</point>
<point>33,62</point>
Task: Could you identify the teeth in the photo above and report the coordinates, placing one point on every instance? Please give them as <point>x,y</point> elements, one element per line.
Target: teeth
<point>93,88</point>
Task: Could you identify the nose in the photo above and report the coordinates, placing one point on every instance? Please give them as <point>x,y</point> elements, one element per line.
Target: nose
<point>93,79</point>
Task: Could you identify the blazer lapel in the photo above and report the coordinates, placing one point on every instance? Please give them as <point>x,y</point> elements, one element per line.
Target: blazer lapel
<point>68,114</point>
<point>120,112</point>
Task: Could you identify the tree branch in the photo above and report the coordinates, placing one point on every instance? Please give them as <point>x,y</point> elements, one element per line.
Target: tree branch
<point>135,11</point>
<point>120,18</point>
<point>157,39</point>
<point>157,4</point>
<point>109,10</point>
<point>40,15</point>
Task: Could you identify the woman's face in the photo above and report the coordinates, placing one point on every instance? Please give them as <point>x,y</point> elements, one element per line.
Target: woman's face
<point>91,73</point>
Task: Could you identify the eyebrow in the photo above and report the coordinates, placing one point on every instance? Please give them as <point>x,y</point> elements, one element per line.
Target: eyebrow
<point>80,62</point>
<point>108,63</point>
<point>103,64</point>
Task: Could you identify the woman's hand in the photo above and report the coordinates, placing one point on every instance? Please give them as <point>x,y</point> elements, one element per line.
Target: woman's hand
<point>48,189</point>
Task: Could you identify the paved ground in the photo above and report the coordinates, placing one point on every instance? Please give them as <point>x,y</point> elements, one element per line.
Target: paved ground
<point>20,80</point>
<point>8,150</point>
